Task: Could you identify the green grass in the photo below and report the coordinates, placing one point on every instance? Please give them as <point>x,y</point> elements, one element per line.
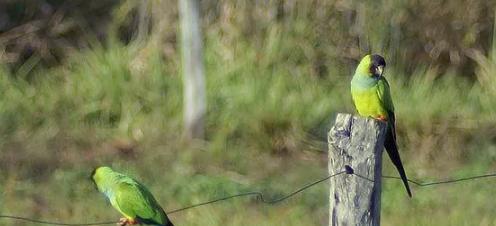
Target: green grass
<point>268,114</point>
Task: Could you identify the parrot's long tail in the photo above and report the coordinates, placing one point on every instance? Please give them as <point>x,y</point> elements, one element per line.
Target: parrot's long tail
<point>394,155</point>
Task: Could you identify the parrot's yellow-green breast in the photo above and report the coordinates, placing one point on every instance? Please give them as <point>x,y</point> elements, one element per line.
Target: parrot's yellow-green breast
<point>368,103</point>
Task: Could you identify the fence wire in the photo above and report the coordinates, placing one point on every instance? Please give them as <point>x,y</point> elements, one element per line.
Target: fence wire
<point>261,197</point>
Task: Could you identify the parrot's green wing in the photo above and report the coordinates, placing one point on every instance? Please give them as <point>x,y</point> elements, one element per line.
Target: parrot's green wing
<point>137,202</point>
<point>384,93</point>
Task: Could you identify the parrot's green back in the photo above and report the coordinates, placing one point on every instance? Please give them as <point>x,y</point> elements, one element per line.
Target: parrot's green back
<point>130,197</point>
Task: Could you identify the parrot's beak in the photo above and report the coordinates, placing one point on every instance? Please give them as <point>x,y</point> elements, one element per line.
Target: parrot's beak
<point>92,178</point>
<point>380,70</point>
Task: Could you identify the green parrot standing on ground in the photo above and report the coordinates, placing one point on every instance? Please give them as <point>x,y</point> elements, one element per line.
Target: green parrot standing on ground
<point>372,98</point>
<point>130,198</point>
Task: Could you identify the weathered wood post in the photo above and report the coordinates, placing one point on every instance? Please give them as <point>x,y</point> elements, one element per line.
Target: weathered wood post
<point>357,142</point>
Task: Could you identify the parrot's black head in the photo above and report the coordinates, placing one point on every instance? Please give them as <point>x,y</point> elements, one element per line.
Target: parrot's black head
<point>377,65</point>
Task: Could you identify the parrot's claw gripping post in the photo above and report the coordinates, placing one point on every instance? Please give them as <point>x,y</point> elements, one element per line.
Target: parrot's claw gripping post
<point>123,222</point>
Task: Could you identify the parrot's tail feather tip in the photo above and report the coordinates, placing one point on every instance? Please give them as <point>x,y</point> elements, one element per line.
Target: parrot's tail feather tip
<point>409,193</point>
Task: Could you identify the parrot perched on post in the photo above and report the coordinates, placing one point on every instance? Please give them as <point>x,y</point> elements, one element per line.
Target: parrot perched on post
<point>372,98</point>
<point>130,198</point>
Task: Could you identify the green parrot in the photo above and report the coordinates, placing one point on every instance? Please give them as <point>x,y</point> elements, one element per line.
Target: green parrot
<point>372,98</point>
<point>130,198</point>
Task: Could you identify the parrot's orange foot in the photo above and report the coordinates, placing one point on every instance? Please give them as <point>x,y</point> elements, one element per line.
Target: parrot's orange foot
<point>122,222</point>
<point>125,222</point>
<point>382,118</point>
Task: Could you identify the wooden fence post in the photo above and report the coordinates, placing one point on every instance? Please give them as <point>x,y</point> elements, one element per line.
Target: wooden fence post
<point>357,142</point>
<point>195,97</point>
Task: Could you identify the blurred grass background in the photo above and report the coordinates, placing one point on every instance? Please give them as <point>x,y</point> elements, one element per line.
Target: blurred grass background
<point>86,83</point>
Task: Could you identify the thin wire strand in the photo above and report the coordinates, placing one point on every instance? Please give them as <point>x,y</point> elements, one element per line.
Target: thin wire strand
<point>55,223</point>
<point>425,184</point>
<point>260,196</point>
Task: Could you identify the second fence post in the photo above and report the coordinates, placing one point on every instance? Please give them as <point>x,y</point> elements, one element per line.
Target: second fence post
<point>357,142</point>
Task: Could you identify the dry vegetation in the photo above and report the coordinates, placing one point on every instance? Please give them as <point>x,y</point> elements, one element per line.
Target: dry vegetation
<point>97,82</point>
